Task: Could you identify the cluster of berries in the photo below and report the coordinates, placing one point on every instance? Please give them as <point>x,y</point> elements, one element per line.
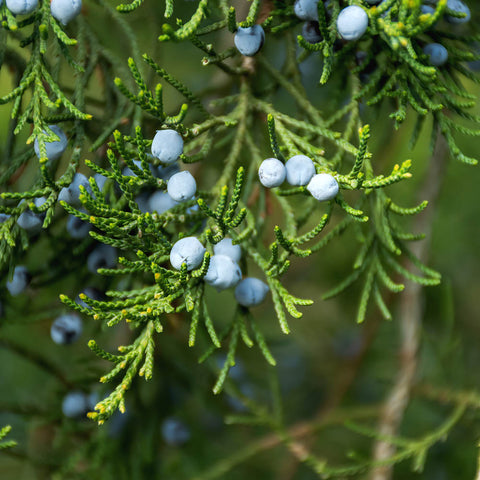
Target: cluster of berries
<point>352,23</point>
<point>298,171</point>
<point>62,10</point>
<point>223,270</point>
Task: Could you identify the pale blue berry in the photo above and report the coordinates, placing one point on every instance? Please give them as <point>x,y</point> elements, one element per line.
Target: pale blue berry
<point>19,281</point>
<point>459,7</point>
<point>66,329</point>
<point>249,40</point>
<point>75,404</point>
<point>323,187</point>
<point>427,10</point>
<point>187,250</point>
<point>103,256</point>
<point>226,247</point>
<point>175,432</point>
<point>272,173</point>
<point>182,186</point>
<point>167,145</point>
<point>306,9</point>
<point>438,54</point>
<point>100,180</point>
<point>4,217</point>
<point>311,32</point>
<point>222,272</point>
<point>250,292</point>
<point>300,169</point>
<point>29,220</point>
<point>71,194</point>
<point>21,7</point>
<point>65,10</point>
<point>56,148</point>
<point>352,22</point>
<point>77,228</point>
<point>160,202</point>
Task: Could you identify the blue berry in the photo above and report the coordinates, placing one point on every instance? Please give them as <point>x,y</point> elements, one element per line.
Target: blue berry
<point>100,180</point>
<point>19,281</point>
<point>29,220</point>
<point>182,186</point>
<point>459,7</point>
<point>300,170</point>
<point>77,228</point>
<point>175,432</point>
<point>4,217</point>
<point>103,256</point>
<point>251,291</point>
<point>160,202</point>
<point>65,10</point>
<point>56,148</point>
<point>272,173</point>
<point>323,187</point>
<point>167,145</point>
<point>187,250</point>
<point>21,7</point>
<point>249,40</point>
<point>427,10</point>
<point>306,9</point>
<point>225,247</point>
<point>66,329</point>
<point>71,194</point>
<point>311,32</point>
<point>438,54</point>
<point>352,22</point>
<point>222,272</point>
<point>75,404</point>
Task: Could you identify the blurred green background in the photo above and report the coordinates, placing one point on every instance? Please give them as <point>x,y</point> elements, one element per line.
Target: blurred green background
<point>321,351</point>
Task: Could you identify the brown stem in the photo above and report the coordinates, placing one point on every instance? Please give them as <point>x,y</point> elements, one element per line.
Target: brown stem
<point>410,318</point>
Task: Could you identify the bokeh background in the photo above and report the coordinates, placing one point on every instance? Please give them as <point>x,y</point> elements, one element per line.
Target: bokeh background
<point>325,347</point>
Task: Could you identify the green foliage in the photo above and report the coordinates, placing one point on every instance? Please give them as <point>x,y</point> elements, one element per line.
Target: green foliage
<point>261,109</point>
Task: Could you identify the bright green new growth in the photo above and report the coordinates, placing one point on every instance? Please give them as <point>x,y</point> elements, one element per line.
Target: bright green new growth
<point>234,205</point>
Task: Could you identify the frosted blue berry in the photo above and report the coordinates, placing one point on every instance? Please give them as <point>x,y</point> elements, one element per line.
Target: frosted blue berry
<point>249,40</point>
<point>222,272</point>
<point>77,228</point>
<point>75,404</point>
<point>19,281</point>
<point>323,187</point>
<point>66,329</point>
<point>182,186</point>
<point>187,250</point>
<point>56,148</point>
<point>175,432</point>
<point>300,169</point>
<point>71,194</point>
<point>427,10</point>
<point>251,291</point>
<point>458,7</point>
<point>352,22</point>
<point>160,202</point>
<point>100,180</point>
<point>103,256</point>
<point>21,7</point>
<point>272,173</point>
<point>29,220</point>
<point>311,32</point>
<point>306,9</point>
<point>225,247</point>
<point>4,217</point>
<point>167,145</point>
<point>65,10</point>
<point>438,54</point>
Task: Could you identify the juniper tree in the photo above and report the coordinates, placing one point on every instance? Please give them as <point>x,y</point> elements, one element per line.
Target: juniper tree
<point>130,187</point>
